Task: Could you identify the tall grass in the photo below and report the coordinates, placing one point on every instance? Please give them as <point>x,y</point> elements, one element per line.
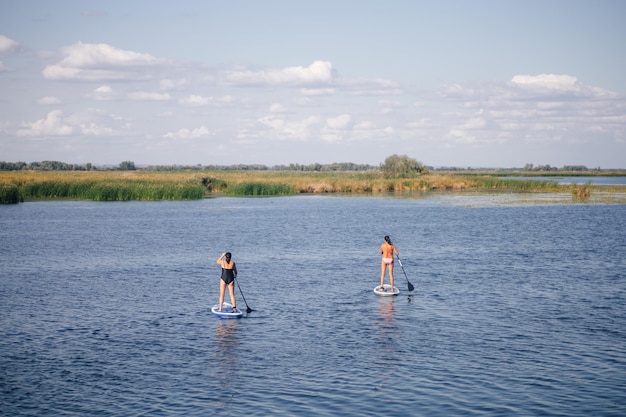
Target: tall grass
<point>514,184</point>
<point>9,194</point>
<point>581,191</point>
<point>109,186</point>
<point>186,185</point>
<point>260,189</point>
<point>113,190</point>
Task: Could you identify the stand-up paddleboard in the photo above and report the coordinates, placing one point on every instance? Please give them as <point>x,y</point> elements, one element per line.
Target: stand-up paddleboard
<point>228,312</point>
<point>386,291</point>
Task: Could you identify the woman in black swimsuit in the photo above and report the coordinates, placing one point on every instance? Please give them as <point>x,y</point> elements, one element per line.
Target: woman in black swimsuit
<point>229,273</point>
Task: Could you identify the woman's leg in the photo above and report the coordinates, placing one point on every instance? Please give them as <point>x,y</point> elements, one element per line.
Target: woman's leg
<point>231,291</point>
<point>222,288</point>
<point>383,267</point>
<point>391,275</point>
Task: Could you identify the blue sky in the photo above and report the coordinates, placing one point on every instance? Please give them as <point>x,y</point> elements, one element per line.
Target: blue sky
<point>479,83</point>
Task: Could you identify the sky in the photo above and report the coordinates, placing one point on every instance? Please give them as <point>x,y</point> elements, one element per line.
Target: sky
<point>450,83</point>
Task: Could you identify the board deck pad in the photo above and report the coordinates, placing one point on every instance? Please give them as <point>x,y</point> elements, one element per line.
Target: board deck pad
<point>387,292</point>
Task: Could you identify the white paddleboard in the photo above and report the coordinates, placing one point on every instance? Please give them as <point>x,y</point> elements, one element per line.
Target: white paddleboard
<point>228,312</point>
<point>386,291</point>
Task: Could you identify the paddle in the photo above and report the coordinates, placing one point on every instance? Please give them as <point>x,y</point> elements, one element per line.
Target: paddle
<point>411,287</point>
<point>248,309</point>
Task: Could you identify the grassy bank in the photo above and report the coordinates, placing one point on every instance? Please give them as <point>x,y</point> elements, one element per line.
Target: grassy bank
<point>18,186</point>
<point>100,186</point>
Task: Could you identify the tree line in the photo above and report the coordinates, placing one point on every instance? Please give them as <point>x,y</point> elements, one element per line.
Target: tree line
<point>130,166</point>
<point>395,166</point>
<point>573,168</point>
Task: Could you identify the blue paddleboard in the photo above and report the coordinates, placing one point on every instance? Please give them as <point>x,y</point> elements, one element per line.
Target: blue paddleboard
<point>228,312</point>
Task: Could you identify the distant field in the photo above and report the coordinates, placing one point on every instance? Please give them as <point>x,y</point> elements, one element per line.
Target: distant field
<point>18,186</point>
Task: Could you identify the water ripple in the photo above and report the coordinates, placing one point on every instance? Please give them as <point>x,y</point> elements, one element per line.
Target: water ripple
<point>518,310</point>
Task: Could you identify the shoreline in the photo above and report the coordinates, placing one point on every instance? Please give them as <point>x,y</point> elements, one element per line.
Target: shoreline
<point>19,186</point>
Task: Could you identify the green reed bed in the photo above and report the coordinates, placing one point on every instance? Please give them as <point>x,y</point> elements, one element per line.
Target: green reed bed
<point>100,187</point>
<point>515,184</point>
<point>9,194</point>
<point>17,186</point>
<point>113,191</point>
<point>259,189</point>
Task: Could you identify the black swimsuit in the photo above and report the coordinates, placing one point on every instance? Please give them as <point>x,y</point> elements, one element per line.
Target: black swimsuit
<point>228,275</point>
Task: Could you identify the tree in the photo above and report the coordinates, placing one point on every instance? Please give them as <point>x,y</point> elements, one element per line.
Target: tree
<point>127,166</point>
<point>401,166</point>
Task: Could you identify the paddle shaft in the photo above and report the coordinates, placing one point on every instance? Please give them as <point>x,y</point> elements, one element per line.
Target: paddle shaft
<point>248,309</point>
<point>411,287</point>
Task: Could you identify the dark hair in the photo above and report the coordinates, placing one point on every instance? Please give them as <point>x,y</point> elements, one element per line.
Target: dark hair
<point>227,255</point>
<point>387,239</point>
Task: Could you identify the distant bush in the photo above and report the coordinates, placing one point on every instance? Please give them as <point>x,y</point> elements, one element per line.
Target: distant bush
<point>401,166</point>
<point>214,184</point>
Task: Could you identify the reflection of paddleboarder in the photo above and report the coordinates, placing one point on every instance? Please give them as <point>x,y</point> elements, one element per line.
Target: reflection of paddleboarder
<point>386,310</point>
<point>387,249</point>
<point>229,273</point>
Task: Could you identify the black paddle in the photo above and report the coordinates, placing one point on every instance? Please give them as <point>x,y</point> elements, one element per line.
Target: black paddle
<point>411,287</point>
<point>248,309</point>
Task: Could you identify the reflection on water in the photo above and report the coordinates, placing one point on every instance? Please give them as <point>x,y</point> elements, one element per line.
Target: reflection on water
<point>387,329</point>
<point>385,310</point>
<point>226,361</point>
<point>226,332</point>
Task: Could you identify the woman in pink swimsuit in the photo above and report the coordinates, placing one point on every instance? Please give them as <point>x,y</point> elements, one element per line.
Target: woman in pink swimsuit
<point>387,249</point>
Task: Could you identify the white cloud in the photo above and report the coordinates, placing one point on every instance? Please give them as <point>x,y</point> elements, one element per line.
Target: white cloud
<point>169,84</point>
<point>272,122</point>
<point>318,91</point>
<point>277,108</point>
<point>371,87</point>
<point>318,73</point>
<point>340,122</point>
<point>93,62</point>
<point>48,101</point>
<point>473,123</point>
<point>52,125</point>
<point>102,93</point>
<point>530,109</point>
<point>196,100</point>
<point>103,89</point>
<point>550,81</point>
<point>7,46</point>
<point>149,96</point>
<point>365,125</point>
<point>185,133</point>
<point>283,129</point>
<point>93,129</point>
<point>389,106</point>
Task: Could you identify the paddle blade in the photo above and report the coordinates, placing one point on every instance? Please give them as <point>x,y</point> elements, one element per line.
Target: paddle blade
<point>411,287</point>
<point>248,310</point>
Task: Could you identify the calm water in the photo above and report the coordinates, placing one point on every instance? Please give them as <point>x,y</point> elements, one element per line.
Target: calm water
<point>597,180</point>
<point>518,309</point>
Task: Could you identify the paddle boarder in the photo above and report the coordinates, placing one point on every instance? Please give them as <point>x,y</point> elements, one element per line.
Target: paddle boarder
<point>229,273</point>
<point>387,249</point>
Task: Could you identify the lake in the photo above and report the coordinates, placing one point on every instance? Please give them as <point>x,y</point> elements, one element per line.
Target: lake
<point>518,309</point>
<point>565,180</point>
